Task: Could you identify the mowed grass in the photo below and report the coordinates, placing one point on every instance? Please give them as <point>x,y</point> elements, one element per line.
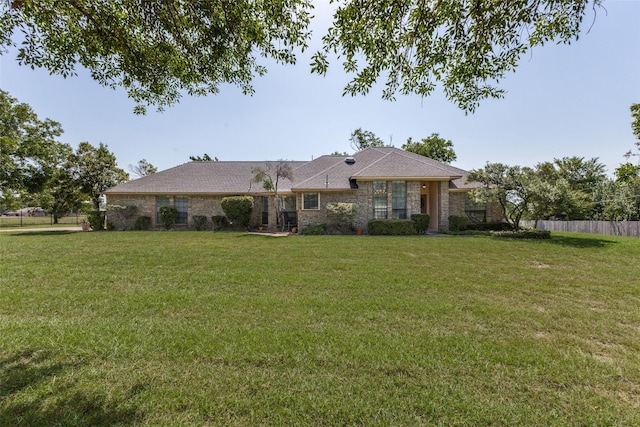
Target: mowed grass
<point>202,328</point>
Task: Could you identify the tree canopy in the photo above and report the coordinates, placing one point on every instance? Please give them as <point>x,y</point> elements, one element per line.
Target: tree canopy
<point>361,139</point>
<point>433,146</point>
<point>29,150</point>
<point>143,168</point>
<point>95,170</point>
<point>158,50</point>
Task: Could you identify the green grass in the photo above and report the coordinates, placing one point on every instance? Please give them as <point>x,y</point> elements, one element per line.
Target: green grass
<point>188,328</point>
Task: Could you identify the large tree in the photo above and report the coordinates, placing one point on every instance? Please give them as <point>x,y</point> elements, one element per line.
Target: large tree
<point>515,188</point>
<point>571,183</point>
<point>433,146</point>
<point>95,169</point>
<point>158,50</point>
<point>29,150</point>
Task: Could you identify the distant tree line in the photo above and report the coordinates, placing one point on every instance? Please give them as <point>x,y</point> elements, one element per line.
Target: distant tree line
<point>571,188</point>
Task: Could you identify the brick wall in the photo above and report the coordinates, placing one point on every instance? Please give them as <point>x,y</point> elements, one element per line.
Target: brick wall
<point>197,205</point>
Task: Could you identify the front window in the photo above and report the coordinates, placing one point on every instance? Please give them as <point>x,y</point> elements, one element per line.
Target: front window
<point>379,199</point>
<point>160,202</point>
<point>474,210</point>
<point>182,205</point>
<point>311,201</point>
<point>399,200</point>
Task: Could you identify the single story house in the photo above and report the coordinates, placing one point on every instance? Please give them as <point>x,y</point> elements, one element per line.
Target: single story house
<point>385,182</point>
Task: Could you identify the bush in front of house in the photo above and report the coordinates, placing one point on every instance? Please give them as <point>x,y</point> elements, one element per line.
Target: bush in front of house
<point>458,223</point>
<point>219,222</point>
<point>527,233</point>
<point>123,216</point>
<point>238,210</point>
<point>314,230</point>
<point>490,226</point>
<point>168,215</point>
<point>391,227</point>
<point>420,222</point>
<point>143,223</point>
<point>342,216</point>
<point>199,222</point>
<point>462,223</point>
<point>96,220</point>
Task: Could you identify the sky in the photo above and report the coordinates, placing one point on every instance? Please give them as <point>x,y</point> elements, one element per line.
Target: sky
<point>562,100</point>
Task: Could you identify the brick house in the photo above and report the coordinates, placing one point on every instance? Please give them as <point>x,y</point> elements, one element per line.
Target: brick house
<point>385,182</point>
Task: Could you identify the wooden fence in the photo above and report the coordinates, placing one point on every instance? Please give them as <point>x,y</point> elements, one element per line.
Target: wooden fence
<point>612,228</point>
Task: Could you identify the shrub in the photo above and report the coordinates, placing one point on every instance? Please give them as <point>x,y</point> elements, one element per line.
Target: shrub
<point>219,222</point>
<point>124,216</point>
<point>458,223</point>
<point>238,210</point>
<point>420,222</point>
<point>342,216</point>
<point>96,220</point>
<point>489,226</point>
<point>142,223</point>
<point>199,222</point>
<point>314,230</point>
<point>168,215</point>
<point>391,227</point>
<point>524,234</point>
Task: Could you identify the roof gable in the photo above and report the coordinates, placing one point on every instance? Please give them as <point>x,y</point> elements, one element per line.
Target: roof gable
<point>322,173</point>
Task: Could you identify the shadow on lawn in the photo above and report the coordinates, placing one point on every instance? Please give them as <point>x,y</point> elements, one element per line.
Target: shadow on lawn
<point>41,233</point>
<point>29,396</point>
<point>580,242</point>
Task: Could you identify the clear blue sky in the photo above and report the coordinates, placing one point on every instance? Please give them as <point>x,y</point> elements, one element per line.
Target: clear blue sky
<point>563,100</point>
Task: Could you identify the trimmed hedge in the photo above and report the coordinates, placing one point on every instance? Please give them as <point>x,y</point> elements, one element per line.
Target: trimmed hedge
<point>342,216</point>
<point>168,215</point>
<point>219,222</point>
<point>199,222</point>
<point>238,210</point>
<point>462,223</point>
<point>314,230</point>
<point>490,226</point>
<point>142,223</point>
<point>420,222</point>
<point>458,223</point>
<point>524,234</point>
<point>391,227</point>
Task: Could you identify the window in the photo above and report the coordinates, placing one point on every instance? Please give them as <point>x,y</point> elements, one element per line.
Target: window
<point>265,210</point>
<point>399,199</point>
<point>475,211</point>
<point>289,203</point>
<point>379,199</point>
<point>182,206</point>
<point>160,202</point>
<point>311,201</point>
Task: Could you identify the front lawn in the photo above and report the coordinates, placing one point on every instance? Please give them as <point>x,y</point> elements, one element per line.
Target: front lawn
<point>203,328</point>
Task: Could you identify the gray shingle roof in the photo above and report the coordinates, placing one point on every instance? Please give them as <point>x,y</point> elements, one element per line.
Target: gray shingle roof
<point>332,173</point>
<point>202,178</point>
<point>323,173</point>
